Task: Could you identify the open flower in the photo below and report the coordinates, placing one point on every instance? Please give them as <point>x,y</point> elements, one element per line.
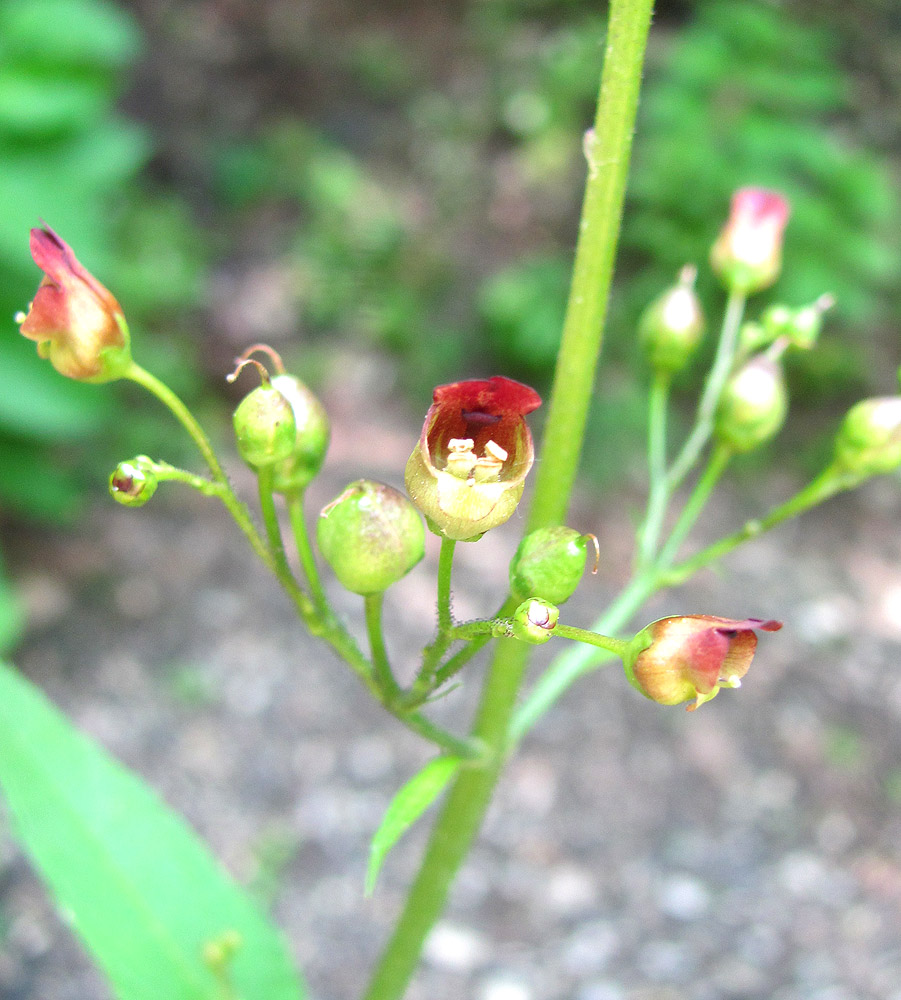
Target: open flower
<point>77,323</point>
<point>690,657</point>
<point>747,255</point>
<point>467,472</point>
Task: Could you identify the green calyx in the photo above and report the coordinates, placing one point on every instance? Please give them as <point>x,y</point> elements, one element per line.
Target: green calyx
<point>371,536</point>
<point>549,563</point>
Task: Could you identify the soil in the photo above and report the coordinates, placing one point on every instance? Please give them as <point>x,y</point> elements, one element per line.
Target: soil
<point>746,850</point>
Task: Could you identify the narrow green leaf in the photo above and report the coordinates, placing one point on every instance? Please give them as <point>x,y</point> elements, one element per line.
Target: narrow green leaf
<point>405,808</point>
<point>142,891</point>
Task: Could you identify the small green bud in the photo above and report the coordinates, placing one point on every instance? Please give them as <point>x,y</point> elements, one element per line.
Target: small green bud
<point>800,327</point>
<point>753,405</point>
<point>549,563</point>
<point>672,325</point>
<point>264,427</point>
<point>868,442</point>
<point>294,473</point>
<point>134,482</point>
<point>534,621</point>
<point>752,337</point>
<point>371,536</point>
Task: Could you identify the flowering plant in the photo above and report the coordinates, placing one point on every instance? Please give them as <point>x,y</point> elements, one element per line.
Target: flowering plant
<point>146,897</point>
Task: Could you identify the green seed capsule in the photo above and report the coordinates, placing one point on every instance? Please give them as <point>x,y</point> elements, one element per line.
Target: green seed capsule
<point>549,563</point>
<point>371,536</point>
<point>265,430</point>
<point>869,440</point>
<point>295,472</point>
<point>753,405</point>
<point>672,325</point>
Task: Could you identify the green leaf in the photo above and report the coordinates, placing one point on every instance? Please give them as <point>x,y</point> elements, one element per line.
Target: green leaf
<point>406,807</point>
<point>35,106</point>
<point>92,33</point>
<point>143,892</point>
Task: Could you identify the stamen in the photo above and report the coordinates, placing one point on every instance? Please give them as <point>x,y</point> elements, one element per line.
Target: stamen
<point>488,467</point>
<point>461,458</point>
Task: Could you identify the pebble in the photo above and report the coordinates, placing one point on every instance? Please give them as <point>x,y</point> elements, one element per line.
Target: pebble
<point>455,948</point>
<point>683,898</point>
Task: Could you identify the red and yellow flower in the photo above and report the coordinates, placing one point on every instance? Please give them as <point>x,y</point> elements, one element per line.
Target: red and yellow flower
<point>77,323</point>
<point>690,657</point>
<point>468,470</point>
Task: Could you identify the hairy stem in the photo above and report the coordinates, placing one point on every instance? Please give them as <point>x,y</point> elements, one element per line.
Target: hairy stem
<point>608,157</point>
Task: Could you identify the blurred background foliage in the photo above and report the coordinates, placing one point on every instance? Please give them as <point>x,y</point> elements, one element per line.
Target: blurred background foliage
<point>402,181</point>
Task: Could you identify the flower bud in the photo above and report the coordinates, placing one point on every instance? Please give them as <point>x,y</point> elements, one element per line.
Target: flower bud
<point>747,255</point>
<point>800,327</point>
<point>753,405</point>
<point>265,431</point>
<point>293,473</point>
<point>534,621</point>
<point>868,442</point>
<point>549,563</point>
<point>690,657</point>
<point>672,325</point>
<point>371,536</point>
<point>133,483</point>
<point>77,323</point>
<point>467,472</point>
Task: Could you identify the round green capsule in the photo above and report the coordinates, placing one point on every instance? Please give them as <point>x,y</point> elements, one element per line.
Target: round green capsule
<point>371,536</point>
<point>549,563</point>
<point>265,430</point>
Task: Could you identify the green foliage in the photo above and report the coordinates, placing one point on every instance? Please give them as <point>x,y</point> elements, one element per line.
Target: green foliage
<point>143,892</point>
<point>410,802</point>
<point>745,95</point>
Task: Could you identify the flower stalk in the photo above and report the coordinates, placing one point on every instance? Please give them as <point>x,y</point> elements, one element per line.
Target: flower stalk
<point>607,149</point>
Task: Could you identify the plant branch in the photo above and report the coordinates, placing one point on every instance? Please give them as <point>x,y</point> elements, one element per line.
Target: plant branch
<point>608,151</point>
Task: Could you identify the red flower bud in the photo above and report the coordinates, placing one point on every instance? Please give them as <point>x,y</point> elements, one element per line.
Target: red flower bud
<point>467,473</point>
<point>747,255</point>
<point>77,323</point>
<point>691,657</point>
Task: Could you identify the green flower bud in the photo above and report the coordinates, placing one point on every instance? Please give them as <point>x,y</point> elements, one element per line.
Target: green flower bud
<point>752,337</point>
<point>264,427</point>
<point>293,473</point>
<point>549,563</point>
<point>753,405</point>
<point>672,325</point>
<point>134,482</point>
<point>869,440</point>
<point>534,621</point>
<point>371,536</point>
<point>800,327</point>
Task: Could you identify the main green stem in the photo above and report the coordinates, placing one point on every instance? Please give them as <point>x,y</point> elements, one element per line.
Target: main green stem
<point>608,148</point>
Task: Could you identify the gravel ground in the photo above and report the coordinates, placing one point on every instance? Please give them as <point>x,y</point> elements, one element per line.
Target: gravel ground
<point>748,850</point>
